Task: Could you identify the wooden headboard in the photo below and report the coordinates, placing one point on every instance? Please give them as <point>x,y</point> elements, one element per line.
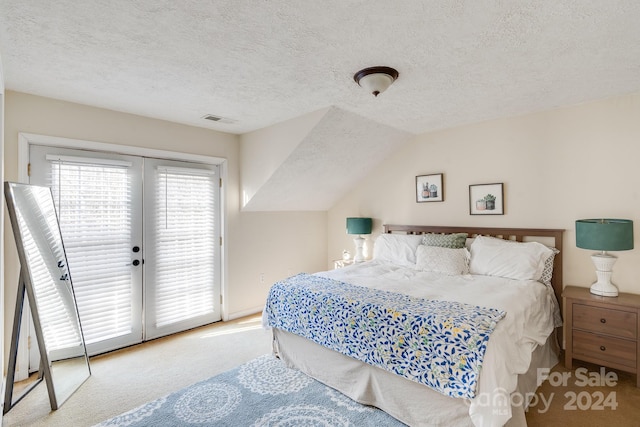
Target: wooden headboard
<point>516,234</point>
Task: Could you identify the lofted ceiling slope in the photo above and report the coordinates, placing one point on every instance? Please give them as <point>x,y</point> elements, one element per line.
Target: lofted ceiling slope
<point>336,154</point>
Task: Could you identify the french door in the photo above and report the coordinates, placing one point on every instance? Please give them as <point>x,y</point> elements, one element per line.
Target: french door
<point>142,239</point>
<point>182,241</point>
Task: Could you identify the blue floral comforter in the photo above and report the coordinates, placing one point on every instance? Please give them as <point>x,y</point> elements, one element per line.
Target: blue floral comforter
<point>440,344</point>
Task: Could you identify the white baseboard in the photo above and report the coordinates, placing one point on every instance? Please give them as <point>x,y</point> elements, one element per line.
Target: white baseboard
<point>243,313</point>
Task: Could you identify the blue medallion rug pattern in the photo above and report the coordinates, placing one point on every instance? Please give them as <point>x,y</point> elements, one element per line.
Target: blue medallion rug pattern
<point>260,393</point>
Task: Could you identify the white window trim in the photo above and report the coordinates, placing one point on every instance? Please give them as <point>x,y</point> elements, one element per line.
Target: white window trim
<point>26,139</point>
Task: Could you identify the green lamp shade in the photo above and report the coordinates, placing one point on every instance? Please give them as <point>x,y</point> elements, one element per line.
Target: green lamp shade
<point>359,225</point>
<point>604,234</point>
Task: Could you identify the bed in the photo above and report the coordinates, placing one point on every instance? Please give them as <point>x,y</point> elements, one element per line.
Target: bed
<point>456,372</point>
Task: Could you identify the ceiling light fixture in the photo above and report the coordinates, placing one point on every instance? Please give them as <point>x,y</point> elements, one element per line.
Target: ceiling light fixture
<point>376,79</point>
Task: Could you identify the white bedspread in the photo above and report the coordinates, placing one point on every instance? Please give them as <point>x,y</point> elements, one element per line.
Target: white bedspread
<point>532,315</point>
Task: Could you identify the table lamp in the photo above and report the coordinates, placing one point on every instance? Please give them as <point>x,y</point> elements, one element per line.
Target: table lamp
<point>359,226</point>
<point>604,235</point>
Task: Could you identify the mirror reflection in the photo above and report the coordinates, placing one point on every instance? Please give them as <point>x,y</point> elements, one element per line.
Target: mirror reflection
<point>46,279</point>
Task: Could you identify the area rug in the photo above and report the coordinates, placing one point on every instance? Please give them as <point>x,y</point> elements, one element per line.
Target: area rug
<point>262,392</point>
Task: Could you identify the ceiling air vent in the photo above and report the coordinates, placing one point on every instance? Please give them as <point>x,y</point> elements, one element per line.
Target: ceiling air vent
<point>218,119</point>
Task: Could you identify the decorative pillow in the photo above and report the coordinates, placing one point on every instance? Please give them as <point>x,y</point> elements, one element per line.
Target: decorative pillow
<point>514,260</point>
<point>453,241</point>
<point>442,260</point>
<point>398,249</point>
<point>547,272</point>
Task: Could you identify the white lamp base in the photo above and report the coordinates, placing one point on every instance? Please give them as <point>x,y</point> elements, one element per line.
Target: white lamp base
<point>359,241</point>
<point>604,265</point>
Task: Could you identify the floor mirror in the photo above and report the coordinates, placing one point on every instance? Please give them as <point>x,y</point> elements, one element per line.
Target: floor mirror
<point>45,283</point>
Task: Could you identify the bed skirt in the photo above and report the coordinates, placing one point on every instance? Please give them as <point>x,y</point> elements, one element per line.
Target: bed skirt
<point>410,402</point>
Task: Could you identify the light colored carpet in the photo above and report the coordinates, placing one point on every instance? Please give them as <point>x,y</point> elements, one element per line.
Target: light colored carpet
<point>259,393</point>
<point>125,379</point>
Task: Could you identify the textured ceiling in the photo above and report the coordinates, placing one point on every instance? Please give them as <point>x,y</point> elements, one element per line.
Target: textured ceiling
<point>261,62</point>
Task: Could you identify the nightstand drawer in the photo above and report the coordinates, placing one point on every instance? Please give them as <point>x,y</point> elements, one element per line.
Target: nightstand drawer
<point>617,323</point>
<point>598,348</point>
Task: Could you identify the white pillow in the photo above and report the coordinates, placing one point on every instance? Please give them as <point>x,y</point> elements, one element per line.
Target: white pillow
<point>514,260</point>
<point>469,242</point>
<point>442,260</point>
<point>398,249</point>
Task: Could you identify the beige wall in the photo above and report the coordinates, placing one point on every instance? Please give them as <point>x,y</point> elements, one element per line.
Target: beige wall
<point>2,96</point>
<point>258,245</point>
<point>557,166</point>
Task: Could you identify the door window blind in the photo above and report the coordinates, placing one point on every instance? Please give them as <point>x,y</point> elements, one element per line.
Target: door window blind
<point>94,206</point>
<point>184,245</point>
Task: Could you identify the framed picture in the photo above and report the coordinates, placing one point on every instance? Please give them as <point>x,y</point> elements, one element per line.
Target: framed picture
<point>429,188</point>
<point>486,199</point>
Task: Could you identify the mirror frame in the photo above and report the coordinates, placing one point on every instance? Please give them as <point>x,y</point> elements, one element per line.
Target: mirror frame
<point>26,289</point>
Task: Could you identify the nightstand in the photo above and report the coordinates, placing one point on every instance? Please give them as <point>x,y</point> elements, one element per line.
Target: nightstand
<point>602,330</point>
<point>339,263</point>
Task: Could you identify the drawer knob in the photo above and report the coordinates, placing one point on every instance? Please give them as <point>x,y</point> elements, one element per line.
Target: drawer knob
<point>603,348</point>
<point>603,320</point>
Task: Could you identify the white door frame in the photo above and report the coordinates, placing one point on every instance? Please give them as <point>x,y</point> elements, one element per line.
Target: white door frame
<point>26,139</point>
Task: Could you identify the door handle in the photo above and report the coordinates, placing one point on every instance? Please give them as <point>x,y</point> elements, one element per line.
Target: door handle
<point>135,262</point>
